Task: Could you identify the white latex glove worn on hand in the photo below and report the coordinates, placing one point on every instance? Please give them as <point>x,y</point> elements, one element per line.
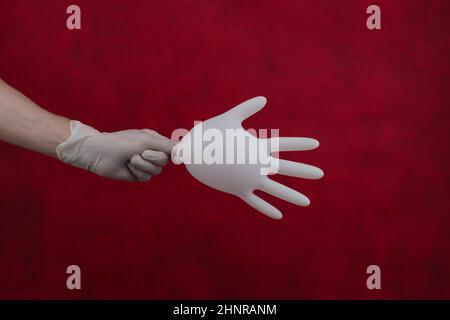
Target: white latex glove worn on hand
<point>131,155</point>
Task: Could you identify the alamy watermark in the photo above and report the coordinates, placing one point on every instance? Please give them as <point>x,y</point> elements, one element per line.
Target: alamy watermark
<point>213,146</point>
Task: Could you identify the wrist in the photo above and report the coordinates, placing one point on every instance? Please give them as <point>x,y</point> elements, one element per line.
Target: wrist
<point>69,150</point>
<point>62,132</point>
<point>54,131</point>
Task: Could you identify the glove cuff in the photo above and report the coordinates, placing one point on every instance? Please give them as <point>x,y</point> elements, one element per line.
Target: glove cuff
<point>69,151</point>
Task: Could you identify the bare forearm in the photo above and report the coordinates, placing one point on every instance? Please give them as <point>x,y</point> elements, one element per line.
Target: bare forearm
<point>25,124</point>
<point>131,155</point>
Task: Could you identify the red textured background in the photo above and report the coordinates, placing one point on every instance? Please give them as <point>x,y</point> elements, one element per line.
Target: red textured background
<point>378,101</point>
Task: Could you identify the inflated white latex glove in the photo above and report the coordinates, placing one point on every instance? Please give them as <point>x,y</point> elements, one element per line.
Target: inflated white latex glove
<point>242,180</point>
<point>131,155</point>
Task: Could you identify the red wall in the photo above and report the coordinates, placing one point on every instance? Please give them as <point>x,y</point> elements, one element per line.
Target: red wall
<point>378,101</point>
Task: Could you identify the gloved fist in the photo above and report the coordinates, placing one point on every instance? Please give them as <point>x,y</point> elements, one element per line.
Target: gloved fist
<point>132,155</point>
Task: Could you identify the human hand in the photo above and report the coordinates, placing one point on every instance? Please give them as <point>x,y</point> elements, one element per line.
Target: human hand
<point>131,155</point>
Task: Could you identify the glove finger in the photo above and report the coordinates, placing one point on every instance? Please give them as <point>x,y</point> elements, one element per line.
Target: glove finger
<point>263,206</point>
<point>299,170</point>
<point>281,191</point>
<point>247,108</point>
<point>293,144</point>
<point>145,166</point>
<point>140,176</point>
<point>158,142</point>
<point>156,157</point>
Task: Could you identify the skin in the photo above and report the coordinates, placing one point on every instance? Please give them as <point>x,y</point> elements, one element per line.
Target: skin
<point>25,124</point>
